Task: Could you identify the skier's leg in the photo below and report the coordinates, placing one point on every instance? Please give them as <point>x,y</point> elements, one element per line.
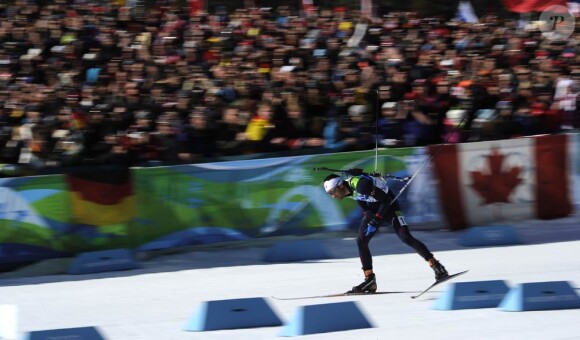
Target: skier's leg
<point>402,229</point>
<point>369,284</point>
<point>362,242</point>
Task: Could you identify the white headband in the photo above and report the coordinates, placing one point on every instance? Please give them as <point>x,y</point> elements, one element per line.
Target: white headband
<point>332,183</point>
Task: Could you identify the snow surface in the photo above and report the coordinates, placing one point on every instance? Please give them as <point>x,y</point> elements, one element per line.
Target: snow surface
<point>156,301</point>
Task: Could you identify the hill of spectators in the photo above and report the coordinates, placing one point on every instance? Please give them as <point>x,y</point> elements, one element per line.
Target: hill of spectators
<point>84,84</point>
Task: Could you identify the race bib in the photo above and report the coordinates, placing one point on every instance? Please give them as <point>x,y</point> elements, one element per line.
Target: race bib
<point>401,218</point>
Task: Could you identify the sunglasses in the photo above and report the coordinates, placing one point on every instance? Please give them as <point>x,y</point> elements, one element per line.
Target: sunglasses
<point>333,191</point>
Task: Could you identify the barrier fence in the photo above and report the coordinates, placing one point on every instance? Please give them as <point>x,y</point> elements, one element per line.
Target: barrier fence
<point>148,208</point>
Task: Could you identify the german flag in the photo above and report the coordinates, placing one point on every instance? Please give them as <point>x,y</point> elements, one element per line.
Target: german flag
<point>102,197</point>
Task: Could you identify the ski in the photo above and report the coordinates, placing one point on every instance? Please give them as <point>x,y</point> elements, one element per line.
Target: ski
<point>332,295</point>
<point>438,282</point>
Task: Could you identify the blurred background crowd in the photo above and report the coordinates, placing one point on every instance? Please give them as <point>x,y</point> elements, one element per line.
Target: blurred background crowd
<point>84,83</point>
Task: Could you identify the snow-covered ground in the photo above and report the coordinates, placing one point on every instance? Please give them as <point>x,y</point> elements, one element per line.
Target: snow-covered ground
<point>156,301</point>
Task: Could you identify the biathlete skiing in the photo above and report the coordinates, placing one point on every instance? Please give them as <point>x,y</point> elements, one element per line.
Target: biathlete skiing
<point>380,207</point>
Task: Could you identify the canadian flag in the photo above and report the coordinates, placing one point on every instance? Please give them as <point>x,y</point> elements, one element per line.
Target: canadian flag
<point>527,6</point>
<point>485,182</point>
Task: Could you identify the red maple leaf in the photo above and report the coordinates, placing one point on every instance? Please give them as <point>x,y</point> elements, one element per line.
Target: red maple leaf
<point>495,184</point>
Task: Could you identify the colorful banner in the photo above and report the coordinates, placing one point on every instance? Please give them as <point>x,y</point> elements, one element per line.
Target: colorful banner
<point>163,207</point>
<point>522,178</point>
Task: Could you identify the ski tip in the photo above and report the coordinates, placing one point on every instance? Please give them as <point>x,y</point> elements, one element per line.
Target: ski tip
<point>440,281</point>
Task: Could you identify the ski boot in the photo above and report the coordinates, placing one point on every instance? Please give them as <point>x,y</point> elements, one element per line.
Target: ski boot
<point>368,286</point>
<point>440,271</point>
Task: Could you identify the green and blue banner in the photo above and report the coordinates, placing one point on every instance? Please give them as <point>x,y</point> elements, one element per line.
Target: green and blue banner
<point>160,207</point>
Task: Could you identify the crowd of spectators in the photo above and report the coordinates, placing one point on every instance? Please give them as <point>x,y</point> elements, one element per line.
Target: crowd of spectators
<point>86,83</point>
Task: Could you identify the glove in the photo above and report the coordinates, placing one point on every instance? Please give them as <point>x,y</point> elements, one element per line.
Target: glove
<point>372,227</point>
